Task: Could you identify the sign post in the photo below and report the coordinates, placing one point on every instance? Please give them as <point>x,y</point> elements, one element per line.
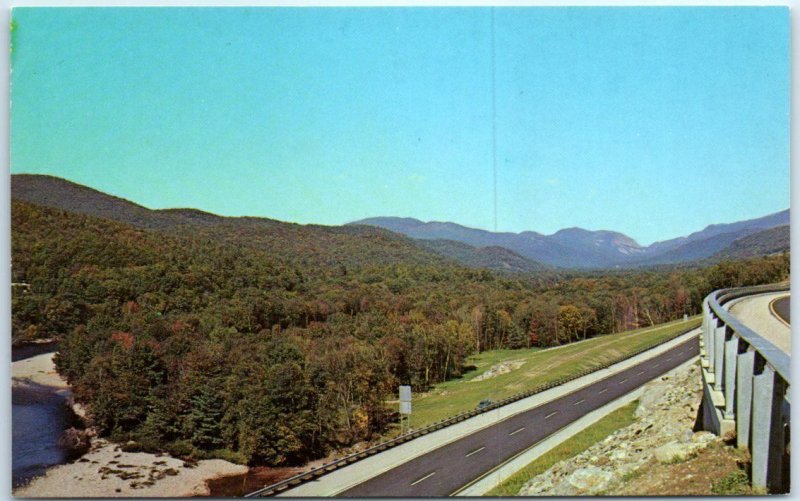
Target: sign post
<point>405,408</point>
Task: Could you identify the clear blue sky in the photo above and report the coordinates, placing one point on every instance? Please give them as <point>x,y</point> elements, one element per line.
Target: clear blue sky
<point>650,121</point>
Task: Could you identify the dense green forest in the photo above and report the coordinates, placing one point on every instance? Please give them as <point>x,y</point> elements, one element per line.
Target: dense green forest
<point>272,343</point>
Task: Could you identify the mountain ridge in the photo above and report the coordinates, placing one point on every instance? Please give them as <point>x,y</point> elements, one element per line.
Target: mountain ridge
<point>581,248</point>
<point>61,194</point>
<point>527,251</point>
<point>770,241</point>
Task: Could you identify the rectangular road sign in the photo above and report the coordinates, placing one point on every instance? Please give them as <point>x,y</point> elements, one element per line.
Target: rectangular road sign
<point>405,407</point>
<point>405,394</point>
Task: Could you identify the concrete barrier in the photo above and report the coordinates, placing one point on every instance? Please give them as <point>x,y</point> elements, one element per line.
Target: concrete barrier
<point>745,388</point>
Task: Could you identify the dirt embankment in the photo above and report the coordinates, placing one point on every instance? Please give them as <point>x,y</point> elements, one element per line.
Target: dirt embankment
<point>660,449</point>
<point>106,471</point>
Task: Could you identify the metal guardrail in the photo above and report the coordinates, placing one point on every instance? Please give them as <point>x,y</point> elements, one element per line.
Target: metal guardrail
<point>746,382</point>
<point>315,473</point>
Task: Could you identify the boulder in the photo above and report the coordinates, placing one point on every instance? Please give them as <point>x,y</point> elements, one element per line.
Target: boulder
<point>703,437</point>
<point>673,451</point>
<point>590,480</point>
<point>652,395</point>
<point>75,443</point>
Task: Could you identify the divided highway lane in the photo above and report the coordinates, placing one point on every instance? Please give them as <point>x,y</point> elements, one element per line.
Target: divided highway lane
<point>451,467</point>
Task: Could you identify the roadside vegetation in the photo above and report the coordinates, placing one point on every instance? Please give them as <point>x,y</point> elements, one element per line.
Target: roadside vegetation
<point>571,447</point>
<point>274,343</point>
<point>735,483</point>
<point>719,470</point>
<point>535,367</point>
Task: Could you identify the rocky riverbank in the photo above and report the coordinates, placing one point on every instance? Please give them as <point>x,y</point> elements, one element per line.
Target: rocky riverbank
<point>662,435</point>
<point>105,470</point>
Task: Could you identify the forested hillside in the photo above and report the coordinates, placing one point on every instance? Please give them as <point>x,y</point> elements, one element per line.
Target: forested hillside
<point>273,343</point>
<point>314,245</point>
<point>493,258</point>
<point>771,241</point>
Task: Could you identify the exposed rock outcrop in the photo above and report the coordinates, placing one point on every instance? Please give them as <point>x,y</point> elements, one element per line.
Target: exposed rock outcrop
<point>667,411</point>
<point>498,369</point>
<point>76,442</point>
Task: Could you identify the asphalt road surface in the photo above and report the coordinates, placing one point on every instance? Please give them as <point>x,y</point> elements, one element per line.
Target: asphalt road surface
<point>781,307</point>
<point>449,468</point>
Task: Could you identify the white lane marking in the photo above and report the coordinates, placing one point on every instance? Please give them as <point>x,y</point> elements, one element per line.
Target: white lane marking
<point>551,415</point>
<point>640,373</point>
<point>474,452</point>
<point>602,391</point>
<point>516,431</point>
<point>623,380</point>
<point>670,358</point>
<point>655,365</point>
<point>579,402</point>
<point>429,475</point>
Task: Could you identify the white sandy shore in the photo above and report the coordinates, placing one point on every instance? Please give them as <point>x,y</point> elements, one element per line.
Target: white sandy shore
<point>106,471</point>
<point>39,369</point>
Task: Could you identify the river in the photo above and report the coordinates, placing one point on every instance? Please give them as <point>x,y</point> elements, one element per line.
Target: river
<point>39,415</point>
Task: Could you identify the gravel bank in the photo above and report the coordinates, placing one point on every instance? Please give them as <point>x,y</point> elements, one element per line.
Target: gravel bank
<point>106,471</point>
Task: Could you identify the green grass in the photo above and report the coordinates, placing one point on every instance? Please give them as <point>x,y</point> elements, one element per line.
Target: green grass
<point>736,483</point>
<point>569,448</point>
<point>539,367</point>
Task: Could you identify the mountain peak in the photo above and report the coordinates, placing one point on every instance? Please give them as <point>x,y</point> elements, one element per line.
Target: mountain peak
<point>572,230</point>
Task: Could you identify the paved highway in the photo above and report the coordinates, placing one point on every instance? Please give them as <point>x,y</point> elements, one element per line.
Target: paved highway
<point>756,312</point>
<point>451,467</point>
<point>781,308</point>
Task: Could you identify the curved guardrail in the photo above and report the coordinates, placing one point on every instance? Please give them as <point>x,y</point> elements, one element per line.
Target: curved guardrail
<point>745,387</point>
<point>315,473</point>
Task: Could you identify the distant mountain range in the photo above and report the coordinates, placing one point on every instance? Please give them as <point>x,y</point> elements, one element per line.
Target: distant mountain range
<point>579,248</point>
<point>524,252</point>
<point>312,243</point>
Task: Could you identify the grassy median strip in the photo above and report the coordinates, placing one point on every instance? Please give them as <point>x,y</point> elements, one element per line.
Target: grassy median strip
<point>569,448</point>
<point>531,368</point>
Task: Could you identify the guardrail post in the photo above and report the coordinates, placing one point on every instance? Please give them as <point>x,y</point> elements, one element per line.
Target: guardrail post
<point>731,350</point>
<point>777,440</point>
<point>768,433</point>
<point>753,377</point>
<point>744,395</point>
<point>709,339</point>
<point>719,356</point>
<point>704,332</point>
<point>711,327</point>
